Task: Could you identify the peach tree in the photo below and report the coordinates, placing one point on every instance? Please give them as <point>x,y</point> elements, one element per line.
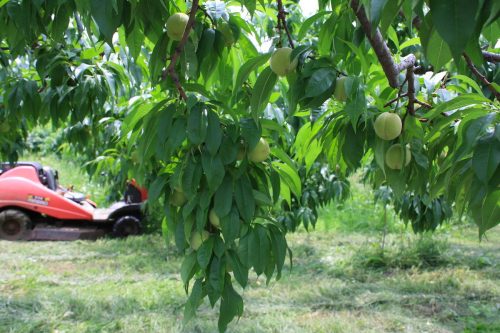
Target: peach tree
<point>222,108</point>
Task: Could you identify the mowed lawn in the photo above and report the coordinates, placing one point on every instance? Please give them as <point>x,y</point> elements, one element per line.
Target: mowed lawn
<point>339,283</point>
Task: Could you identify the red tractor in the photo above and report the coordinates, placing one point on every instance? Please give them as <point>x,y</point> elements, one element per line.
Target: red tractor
<point>34,206</point>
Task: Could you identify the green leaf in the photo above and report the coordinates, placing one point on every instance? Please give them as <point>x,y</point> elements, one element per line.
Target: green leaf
<point>290,176</point>
<point>213,169</point>
<point>206,44</point>
<point>281,155</point>
<point>490,212</point>
<point>216,275</point>
<point>469,81</point>
<point>305,26</point>
<point>250,5</point>
<point>244,198</point>
<point>180,240</point>
<point>224,196</point>
<point>279,248</point>
<point>321,81</point>
<point>190,181</point>
<point>204,253</point>
<point>165,122</point>
<point>353,148</point>
<point>486,158</point>
<point>244,250</point>
<point>390,11</point>
<point>230,225</point>
<point>107,18</point>
<point>470,130</point>
<point>260,246</point>
<point>261,198</point>
<point>156,188</point>
<point>410,42</point>
<point>251,132</point>
<point>231,305</point>
<point>247,68</point>
<point>228,150</point>
<point>135,38</point>
<point>188,267</point>
<point>455,21</point>
<point>376,8</point>
<point>60,23</point>
<point>275,184</point>
<point>158,59</point>
<point>239,270</point>
<point>262,91</point>
<point>214,133</point>
<point>461,101</point>
<point>356,100</point>
<point>437,52</point>
<point>197,124</point>
<point>194,300</point>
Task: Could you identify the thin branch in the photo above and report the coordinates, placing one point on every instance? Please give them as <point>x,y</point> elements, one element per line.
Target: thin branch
<point>480,76</point>
<point>424,104</point>
<point>411,91</point>
<point>282,19</point>
<point>397,98</point>
<point>491,57</point>
<point>179,49</point>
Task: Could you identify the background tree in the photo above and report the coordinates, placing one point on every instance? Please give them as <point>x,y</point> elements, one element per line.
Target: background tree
<point>184,113</point>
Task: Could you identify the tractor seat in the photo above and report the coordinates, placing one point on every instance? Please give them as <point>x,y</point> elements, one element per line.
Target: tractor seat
<point>50,179</point>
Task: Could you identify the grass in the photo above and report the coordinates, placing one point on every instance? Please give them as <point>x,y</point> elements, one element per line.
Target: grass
<point>357,214</point>
<point>133,285</point>
<point>342,280</point>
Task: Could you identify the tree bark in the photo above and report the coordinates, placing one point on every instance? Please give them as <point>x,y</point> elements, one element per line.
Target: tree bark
<point>381,49</point>
<point>180,47</point>
<point>480,76</point>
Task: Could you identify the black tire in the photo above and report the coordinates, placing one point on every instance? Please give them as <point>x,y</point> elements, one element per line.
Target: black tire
<point>127,226</point>
<point>14,225</point>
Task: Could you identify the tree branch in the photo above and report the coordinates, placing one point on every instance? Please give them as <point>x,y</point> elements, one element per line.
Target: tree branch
<point>424,104</point>
<point>179,49</point>
<point>397,98</point>
<point>480,76</point>
<point>282,22</point>
<point>391,69</point>
<point>383,53</point>
<point>491,57</point>
<point>411,90</point>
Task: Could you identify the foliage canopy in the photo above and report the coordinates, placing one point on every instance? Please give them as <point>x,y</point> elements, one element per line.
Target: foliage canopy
<point>182,116</point>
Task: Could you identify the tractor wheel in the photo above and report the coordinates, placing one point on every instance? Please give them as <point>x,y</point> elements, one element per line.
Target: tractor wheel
<point>127,226</point>
<point>14,225</point>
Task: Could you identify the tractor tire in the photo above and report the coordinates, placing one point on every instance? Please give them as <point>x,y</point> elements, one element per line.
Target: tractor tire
<point>14,225</point>
<point>127,226</point>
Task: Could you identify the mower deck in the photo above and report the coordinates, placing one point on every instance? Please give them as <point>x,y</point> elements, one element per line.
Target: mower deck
<point>46,232</point>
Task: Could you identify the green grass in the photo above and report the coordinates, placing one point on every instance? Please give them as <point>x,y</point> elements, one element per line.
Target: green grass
<point>342,280</point>
<point>133,285</point>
